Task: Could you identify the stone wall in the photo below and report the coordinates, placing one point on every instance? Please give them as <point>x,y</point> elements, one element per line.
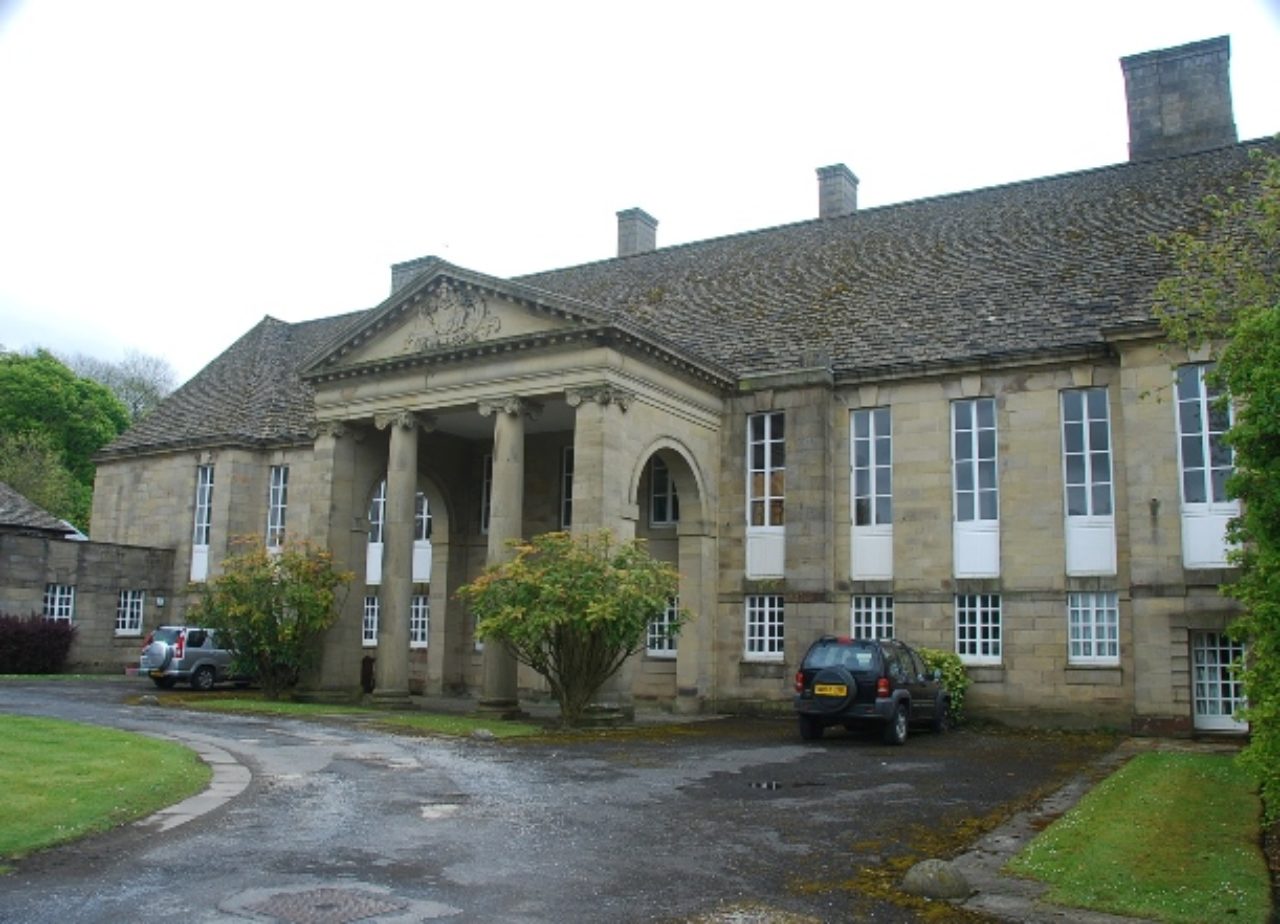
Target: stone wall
<point>98,572</point>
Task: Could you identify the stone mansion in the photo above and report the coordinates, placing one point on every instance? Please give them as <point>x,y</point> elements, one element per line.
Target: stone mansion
<point>951,420</point>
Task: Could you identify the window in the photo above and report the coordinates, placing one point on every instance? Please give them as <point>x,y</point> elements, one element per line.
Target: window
<point>421,518</point>
<point>661,639</point>
<point>59,601</point>
<point>204,504</point>
<point>378,514</point>
<point>872,467</point>
<point>664,503</point>
<point>974,459</point>
<point>1093,625</point>
<point>486,491</point>
<point>566,487</point>
<point>764,628</point>
<point>419,620</point>
<point>1202,419</point>
<point>369,628</point>
<point>766,468</point>
<point>872,616</point>
<point>978,628</point>
<point>1086,452</point>
<point>277,501</point>
<point>129,612</point>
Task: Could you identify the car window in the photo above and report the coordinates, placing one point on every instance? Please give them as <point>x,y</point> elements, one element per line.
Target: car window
<point>893,661</point>
<point>917,665</point>
<point>165,635</point>
<point>854,657</point>
<point>195,638</point>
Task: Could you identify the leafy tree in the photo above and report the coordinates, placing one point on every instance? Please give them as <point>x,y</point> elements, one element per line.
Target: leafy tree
<point>39,395</point>
<point>139,380</point>
<point>31,466</point>
<point>271,609</point>
<point>573,609</point>
<point>1226,292</point>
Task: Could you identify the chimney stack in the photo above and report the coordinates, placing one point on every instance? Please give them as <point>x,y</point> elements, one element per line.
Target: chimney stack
<point>1179,99</point>
<point>837,191</point>
<point>403,273</point>
<point>637,232</point>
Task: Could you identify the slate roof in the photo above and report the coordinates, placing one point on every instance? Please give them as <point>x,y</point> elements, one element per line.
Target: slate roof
<point>17,514</point>
<point>1030,268</point>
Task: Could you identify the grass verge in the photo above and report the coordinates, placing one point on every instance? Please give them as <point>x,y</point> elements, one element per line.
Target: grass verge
<point>60,780</point>
<point>1170,836</point>
<point>419,722</point>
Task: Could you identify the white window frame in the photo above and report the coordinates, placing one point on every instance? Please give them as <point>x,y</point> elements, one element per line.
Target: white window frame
<point>566,487</point>
<point>60,602</point>
<point>975,459</point>
<point>979,628</point>
<point>664,502</point>
<point>1088,482</point>
<point>369,622</point>
<point>202,525</point>
<point>871,616</point>
<point>660,638</point>
<point>766,494</point>
<point>129,608</point>
<point>419,620</point>
<point>421,565</point>
<point>871,493</point>
<point>1093,628</point>
<point>765,627</point>
<point>277,506</point>
<point>1204,521</point>
<point>377,534</point>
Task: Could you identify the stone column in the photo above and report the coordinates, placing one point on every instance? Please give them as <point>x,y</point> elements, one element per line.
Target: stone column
<point>391,674</point>
<point>602,464</point>
<point>506,522</point>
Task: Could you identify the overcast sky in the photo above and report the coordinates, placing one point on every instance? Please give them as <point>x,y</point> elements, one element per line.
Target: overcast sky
<point>172,171</point>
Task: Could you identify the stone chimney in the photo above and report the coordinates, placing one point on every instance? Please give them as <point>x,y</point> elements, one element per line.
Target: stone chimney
<point>1179,99</point>
<point>637,232</point>
<point>403,273</point>
<point>837,191</point>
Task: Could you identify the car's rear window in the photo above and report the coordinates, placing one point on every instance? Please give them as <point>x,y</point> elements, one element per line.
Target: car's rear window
<point>853,656</point>
<point>165,635</point>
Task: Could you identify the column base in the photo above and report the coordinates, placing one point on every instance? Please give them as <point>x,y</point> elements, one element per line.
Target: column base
<point>500,709</point>
<point>391,699</point>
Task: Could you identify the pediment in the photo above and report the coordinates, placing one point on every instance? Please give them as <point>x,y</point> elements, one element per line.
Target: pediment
<point>448,309</point>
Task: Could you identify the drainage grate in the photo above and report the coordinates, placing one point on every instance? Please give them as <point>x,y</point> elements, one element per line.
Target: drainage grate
<point>326,906</point>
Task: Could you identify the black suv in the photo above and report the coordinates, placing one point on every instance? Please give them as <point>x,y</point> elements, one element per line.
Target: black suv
<point>855,681</point>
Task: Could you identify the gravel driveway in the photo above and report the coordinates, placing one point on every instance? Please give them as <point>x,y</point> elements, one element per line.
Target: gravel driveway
<point>721,820</point>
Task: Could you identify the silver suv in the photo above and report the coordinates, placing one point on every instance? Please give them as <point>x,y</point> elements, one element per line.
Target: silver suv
<point>187,654</point>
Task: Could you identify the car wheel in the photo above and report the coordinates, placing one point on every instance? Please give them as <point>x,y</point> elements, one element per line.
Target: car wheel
<point>202,679</point>
<point>895,730</point>
<point>942,715</point>
<point>164,683</point>
<point>810,728</point>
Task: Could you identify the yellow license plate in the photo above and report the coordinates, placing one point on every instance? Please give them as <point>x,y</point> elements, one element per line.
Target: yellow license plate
<point>830,689</point>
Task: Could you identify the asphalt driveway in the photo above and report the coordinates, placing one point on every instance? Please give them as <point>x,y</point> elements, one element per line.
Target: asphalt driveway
<point>724,820</point>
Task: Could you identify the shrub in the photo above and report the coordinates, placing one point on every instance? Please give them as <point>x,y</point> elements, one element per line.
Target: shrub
<point>33,644</point>
<point>954,678</point>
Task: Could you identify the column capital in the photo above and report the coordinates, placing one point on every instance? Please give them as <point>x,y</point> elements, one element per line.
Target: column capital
<point>319,428</point>
<point>404,419</point>
<point>513,406</point>
<point>603,395</point>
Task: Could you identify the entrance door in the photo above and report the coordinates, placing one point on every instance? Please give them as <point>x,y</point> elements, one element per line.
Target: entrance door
<point>1216,689</point>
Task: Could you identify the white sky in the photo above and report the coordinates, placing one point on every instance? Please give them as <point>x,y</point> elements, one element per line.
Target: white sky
<point>171,171</point>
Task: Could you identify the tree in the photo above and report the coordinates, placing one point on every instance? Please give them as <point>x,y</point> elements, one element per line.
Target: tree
<point>271,609</point>
<point>31,466</point>
<point>573,609</point>
<point>1226,293</point>
<point>140,381</point>
<point>41,396</point>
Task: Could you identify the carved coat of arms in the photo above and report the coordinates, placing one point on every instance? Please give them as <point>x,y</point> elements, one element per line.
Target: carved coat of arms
<point>451,316</point>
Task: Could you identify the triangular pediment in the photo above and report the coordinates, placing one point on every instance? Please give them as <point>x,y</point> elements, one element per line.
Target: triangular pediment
<point>445,309</point>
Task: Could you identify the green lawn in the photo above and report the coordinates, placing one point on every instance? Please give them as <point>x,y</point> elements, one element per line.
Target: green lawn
<point>60,780</point>
<point>1170,836</point>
